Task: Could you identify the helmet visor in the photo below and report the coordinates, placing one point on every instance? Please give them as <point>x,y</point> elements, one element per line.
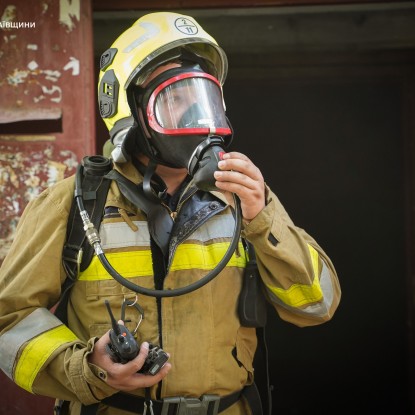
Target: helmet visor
<point>189,103</point>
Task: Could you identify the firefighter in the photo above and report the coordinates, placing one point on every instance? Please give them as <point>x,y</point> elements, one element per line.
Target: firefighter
<point>160,95</point>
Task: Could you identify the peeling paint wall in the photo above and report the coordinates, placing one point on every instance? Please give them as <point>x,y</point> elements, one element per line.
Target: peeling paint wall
<point>47,119</point>
<point>69,11</point>
<point>23,176</point>
<point>46,74</point>
<point>39,59</point>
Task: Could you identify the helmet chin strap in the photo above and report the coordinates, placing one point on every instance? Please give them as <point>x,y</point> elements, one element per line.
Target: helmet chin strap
<point>154,187</point>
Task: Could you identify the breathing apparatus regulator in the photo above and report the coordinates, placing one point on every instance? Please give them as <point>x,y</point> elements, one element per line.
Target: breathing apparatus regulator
<point>160,94</point>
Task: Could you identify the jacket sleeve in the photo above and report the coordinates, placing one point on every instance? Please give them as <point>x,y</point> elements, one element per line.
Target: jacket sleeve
<point>37,351</point>
<point>300,280</point>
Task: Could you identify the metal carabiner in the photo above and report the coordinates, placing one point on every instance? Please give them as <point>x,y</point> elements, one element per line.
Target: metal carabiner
<point>132,303</point>
<point>146,406</point>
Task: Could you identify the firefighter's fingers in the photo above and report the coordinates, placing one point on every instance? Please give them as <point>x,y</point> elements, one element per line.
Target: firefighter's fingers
<point>235,161</point>
<point>125,377</point>
<point>119,380</point>
<point>139,380</point>
<point>239,175</point>
<point>137,363</point>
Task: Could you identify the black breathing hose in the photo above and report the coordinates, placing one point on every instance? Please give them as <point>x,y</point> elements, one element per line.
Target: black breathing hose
<point>95,241</point>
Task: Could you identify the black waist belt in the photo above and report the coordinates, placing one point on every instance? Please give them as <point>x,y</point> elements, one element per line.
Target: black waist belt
<point>206,405</point>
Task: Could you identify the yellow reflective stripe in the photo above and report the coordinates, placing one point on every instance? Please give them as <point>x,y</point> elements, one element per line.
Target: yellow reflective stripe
<point>205,257</point>
<point>37,352</point>
<point>139,263</point>
<point>299,295</point>
<point>128,264</point>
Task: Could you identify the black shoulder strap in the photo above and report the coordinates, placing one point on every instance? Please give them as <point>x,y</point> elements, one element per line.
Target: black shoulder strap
<point>159,220</point>
<point>261,366</point>
<point>77,252</point>
<point>253,313</point>
<point>252,305</point>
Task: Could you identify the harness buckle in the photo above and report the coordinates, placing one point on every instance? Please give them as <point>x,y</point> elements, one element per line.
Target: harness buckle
<point>206,405</point>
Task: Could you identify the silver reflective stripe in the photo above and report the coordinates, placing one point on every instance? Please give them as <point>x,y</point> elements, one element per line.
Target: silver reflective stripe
<point>12,340</point>
<point>320,309</point>
<point>220,226</point>
<point>120,235</point>
<point>326,286</point>
<point>151,30</point>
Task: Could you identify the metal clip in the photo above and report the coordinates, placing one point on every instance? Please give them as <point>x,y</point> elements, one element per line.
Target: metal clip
<point>79,261</point>
<point>132,303</point>
<point>151,408</point>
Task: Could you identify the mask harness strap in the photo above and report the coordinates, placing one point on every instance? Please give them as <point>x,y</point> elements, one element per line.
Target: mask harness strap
<point>148,190</point>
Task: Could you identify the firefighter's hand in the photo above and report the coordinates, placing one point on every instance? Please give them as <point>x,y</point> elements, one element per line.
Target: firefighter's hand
<point>124,376</point>
<point>239,175</point>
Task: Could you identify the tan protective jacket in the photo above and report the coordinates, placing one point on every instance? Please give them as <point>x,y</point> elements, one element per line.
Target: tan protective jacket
<point>210,352</point>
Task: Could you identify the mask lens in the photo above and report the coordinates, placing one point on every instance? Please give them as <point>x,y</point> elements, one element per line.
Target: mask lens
<point>187,105</point>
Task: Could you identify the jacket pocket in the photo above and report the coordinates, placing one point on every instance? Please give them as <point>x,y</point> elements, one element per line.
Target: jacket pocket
<point>98,330</point>
<point>96,290</point>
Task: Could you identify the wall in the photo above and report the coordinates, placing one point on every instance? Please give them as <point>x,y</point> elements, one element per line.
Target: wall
<point>47,121</point>
<point>47,106</point>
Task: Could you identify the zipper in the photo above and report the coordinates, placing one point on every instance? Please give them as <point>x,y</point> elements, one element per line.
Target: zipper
<point>173,213</point>
<point>185,197</point>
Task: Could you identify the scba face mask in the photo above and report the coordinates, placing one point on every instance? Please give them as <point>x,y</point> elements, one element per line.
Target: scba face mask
<point>184,114</point>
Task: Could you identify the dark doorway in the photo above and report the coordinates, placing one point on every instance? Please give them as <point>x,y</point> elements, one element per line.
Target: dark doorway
<point>333,153</point>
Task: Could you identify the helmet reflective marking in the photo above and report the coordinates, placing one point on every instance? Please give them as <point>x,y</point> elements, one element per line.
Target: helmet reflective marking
<point>151,31</point>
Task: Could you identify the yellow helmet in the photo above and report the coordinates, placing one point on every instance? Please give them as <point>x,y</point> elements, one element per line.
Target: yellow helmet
<point>152,40</point>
